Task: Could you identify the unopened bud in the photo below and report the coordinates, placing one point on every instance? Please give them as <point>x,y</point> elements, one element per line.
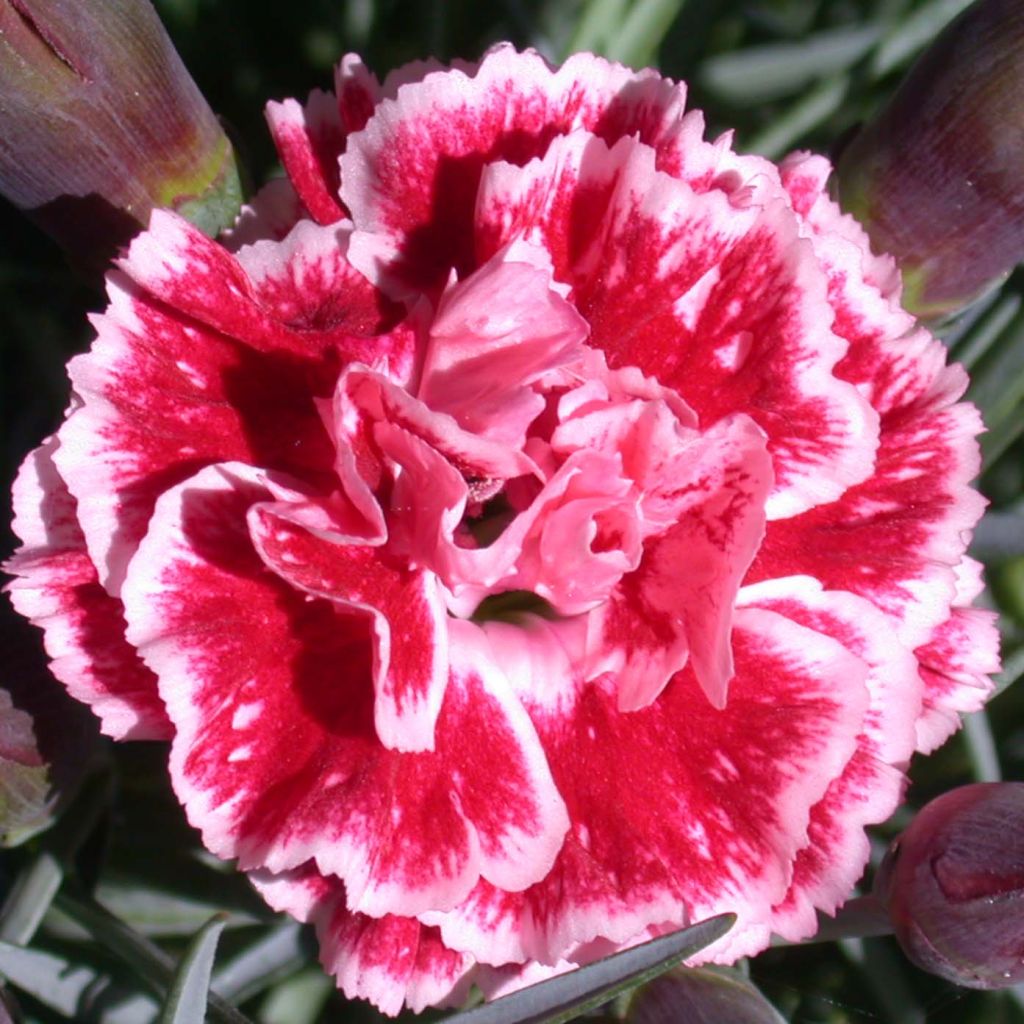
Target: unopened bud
<point>707,995</point>
<point>935,177</point>
<point>100,122</point>
<point>954,886</point>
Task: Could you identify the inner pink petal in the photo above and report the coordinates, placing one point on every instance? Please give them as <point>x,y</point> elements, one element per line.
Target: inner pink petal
<point>494,335</point>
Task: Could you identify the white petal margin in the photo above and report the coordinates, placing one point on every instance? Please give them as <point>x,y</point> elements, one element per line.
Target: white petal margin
<point>872,783</point>
<point>276,759</point>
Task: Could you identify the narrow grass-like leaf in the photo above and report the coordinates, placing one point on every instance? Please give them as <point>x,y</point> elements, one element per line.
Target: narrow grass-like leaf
<point>955,329</point>
<point>6,1013</point>
<point>1013,670</point>
<point>1006,429</point>
<point>37,884</point>
<point>883,971</point>
<point>976,342</point>
<point>637,40</point>
<point>599,23</point>
<point>757,74</point>
<point>803,116</point>
<point>566,997</point>
<point>132,1009</point>
<point>29,899</point>
<point>154,912</point>
<point>981,747</point>
<point>913,34</point>
<point>997,389</point>
<point>53,980</point>
<point>190,988</point>
<point>276,954</point>
<point>80,988</point>
<point>298,1000</point>
<point>146,959</point>
<point>999,536</point>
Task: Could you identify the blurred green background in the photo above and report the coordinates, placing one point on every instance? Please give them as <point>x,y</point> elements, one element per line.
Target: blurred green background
<point>784,74</point>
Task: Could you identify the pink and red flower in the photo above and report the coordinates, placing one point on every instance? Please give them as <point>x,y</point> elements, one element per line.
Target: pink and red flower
<point>535,529</point>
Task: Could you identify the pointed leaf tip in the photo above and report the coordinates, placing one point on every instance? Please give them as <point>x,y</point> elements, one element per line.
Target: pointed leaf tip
<point>190,987</point>
<point>567,996</point>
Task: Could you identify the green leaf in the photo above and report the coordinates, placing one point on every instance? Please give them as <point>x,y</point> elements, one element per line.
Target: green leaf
<point>859,918</point>
<point>884,971</point>
<point>997,389</point>
<point>6,1013</point>
<point>913,34</point>
<point>598,24</point>
<point>37,884</point>
<point>29,899</point>
<point>569,995</point>
<point>146,959</point>
<point>981,747</point>
<point>981,336</point>
<point>803,116</point>
<point>154,912</point>
<point>298,1000</point>
<point>276,954</point>
<point>637,39</point>
<point>1013,671</point>
<point>757,74</point>
<point>999,537</point>
<point>53,980</point>
<point>190,988</point>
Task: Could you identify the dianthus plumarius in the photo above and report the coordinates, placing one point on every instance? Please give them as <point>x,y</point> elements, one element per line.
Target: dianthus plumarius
<point>535,527</point>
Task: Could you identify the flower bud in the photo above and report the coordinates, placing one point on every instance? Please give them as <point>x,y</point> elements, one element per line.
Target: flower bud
<point>100,122</point>
<point>934,178</point>
<point>24,777</point>
<point>704,996</point>
<point>47,745</point>
<point>954,886</point>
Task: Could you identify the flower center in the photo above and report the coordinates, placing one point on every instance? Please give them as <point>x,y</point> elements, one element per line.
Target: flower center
<point>511,606</point>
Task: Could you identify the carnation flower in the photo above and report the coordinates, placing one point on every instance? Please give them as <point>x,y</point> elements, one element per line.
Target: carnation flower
<point>538,527</point>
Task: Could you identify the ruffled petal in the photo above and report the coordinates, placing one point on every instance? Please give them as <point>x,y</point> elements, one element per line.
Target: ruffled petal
<point>366,398</point>
<point>677,606</point>
<point>897,538</point>
<point>410,646</point>
<point>177,264</point>
<point>276,756</point>
<point>494,335</point>
<point>679,810</point>
<point>269,215</point>
<point>309,141</point>
<point>726,304</point>
<point>164,394</point>
<point>392,961</point>
<point>957,664</point>
<point>57,588</point>
<point>411,176</point>
<point>871,785</point>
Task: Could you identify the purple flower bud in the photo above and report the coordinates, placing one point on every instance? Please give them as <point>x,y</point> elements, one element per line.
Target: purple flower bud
<point>100,122</point>
<point>954,886</point>
<point>704,996</point>
<point>935,177</point>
